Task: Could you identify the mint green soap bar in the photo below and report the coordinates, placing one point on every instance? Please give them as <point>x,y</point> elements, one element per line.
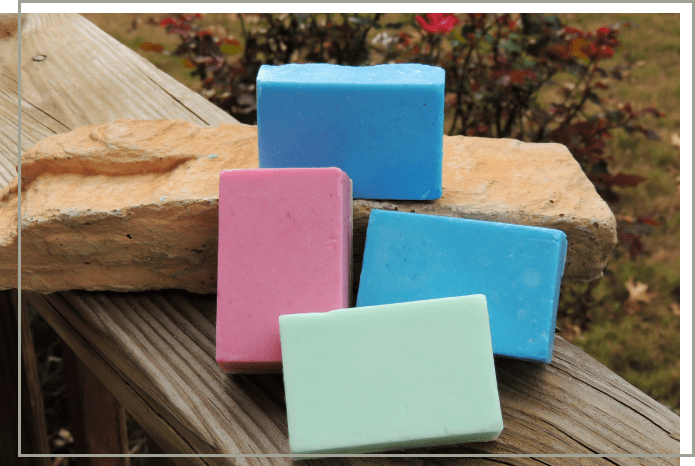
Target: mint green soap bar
<point>392,376</point>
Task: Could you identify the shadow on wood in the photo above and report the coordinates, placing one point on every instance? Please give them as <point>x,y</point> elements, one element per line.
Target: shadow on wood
<point>97,420</point>
<point>34,438</point>
<point>162,368</point>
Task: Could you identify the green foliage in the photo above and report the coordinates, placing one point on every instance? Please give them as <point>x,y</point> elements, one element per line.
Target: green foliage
<point>497,66</point>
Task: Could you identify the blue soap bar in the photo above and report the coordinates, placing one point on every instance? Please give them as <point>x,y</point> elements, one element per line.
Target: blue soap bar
<point>412,257</point>
<point>382,125</point>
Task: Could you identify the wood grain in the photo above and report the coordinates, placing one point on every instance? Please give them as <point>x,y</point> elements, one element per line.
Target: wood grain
<point>155,350</point>
<point>9,86</point>
<point>33,414</point>
<point>97,420</point>
<point>34,438</point>
<point>162,347</point>
<point>108,81</point>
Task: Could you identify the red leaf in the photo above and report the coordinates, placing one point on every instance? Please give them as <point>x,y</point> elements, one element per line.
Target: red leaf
<point>597,147</point>
<point>234,42</point>
<point>190,16</point>
<point>623,179</point>
<point>167,21</point>
<point>632,242</point>
<point>150,47</point>
<point>575,31</point>
<point>649,220</point>
<point>653,111</point>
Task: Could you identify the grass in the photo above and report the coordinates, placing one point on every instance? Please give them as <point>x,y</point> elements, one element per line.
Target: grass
<point>642,345</point>
<point>633,330</point>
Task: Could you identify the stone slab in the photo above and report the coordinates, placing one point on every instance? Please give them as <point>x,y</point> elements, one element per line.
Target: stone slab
<point>132,205</point>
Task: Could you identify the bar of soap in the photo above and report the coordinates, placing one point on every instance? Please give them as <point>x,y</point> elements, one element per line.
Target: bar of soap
<point>411,257</point>
<point>386,377</point>
<point>381,124</point>
<point>285,238</point>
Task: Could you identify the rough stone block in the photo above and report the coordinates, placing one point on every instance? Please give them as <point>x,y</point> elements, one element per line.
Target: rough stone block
<point>132,205</point>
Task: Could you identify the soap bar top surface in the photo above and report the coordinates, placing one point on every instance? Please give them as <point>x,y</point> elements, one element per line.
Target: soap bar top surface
<point>325,73</point>
<point>284,247</point>
<point>377,378</point>
<point>382,125</point>
<point>410,257</point>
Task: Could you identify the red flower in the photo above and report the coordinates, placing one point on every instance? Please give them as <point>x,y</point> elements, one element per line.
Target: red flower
<point>605,51</point>
<point>589,50</point>
<point>439,23</point>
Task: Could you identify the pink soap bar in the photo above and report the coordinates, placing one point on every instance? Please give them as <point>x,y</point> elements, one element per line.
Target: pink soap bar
<point>284,247</point>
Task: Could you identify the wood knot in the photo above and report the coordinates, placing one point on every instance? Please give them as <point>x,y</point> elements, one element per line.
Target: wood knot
<point>9,24</point>
<point>39,57</point>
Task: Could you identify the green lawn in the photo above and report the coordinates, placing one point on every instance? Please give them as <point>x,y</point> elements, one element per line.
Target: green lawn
<point>638,334</point>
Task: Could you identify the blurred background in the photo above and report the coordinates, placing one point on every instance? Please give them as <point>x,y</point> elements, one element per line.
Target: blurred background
<point>605,85</point>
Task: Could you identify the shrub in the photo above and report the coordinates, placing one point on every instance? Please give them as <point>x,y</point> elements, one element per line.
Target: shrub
<point>500,69</point>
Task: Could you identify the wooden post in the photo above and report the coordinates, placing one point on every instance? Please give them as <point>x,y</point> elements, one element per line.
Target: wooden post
<point>8,372</point>
<point>97,419</point>
<point>33,434</point>
<point>153,448</point>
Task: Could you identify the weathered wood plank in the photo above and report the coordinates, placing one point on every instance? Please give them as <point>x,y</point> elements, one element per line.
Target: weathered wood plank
<point>154,449</point>
<point>34,438</point>
<point>9,86</point>
<point>9,437</point>
<point>574,405</point>
<point>107,82</point>
<point>33,415</point>
<point>97,420</point>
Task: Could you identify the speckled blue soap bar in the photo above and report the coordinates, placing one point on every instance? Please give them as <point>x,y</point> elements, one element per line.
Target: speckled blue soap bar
<point>382,125</point>
<point>412,257</point>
